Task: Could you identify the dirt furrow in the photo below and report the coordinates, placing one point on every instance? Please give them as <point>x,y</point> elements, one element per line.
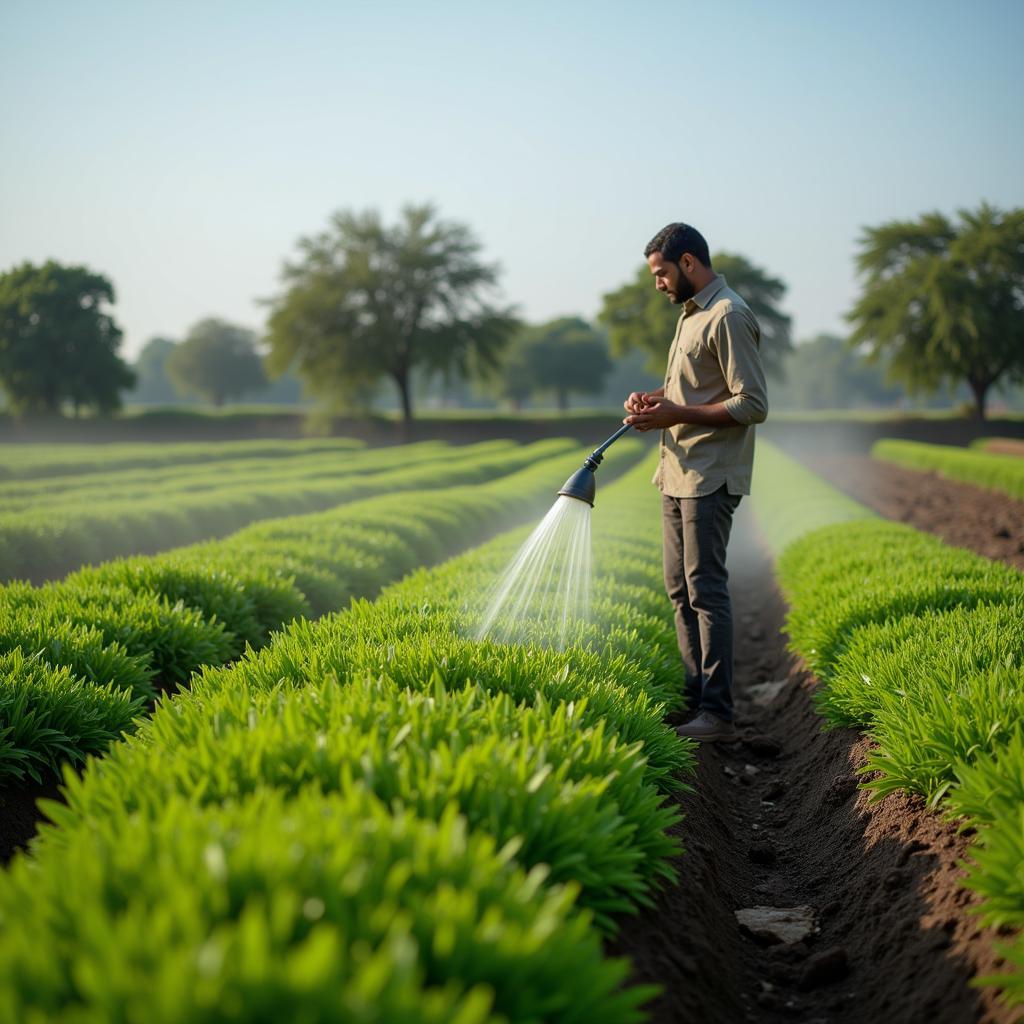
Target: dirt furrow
<point>777,821</point>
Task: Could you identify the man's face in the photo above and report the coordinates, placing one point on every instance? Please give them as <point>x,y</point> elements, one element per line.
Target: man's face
<point>671,278</point>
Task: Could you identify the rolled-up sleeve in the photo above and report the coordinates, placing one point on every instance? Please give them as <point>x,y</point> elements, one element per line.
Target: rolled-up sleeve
<point>737,341</point>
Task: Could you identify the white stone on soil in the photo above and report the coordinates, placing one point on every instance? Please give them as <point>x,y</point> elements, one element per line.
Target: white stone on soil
<point>780,924</point>
<point>763,694</point>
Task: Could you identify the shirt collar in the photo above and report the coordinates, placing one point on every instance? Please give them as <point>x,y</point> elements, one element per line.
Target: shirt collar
<point>706,294</point>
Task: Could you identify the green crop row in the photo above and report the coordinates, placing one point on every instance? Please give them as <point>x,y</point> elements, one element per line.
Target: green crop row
<point>144,624</point>
<point>374,818</point>
<point>25,461</point>
<point>983,469</point>
<point>42,543</point>
<point>129,484</point>
<point>921,645</point>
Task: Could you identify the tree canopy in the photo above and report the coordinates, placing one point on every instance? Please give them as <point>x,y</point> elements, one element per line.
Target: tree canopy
<point>638,316</point>
<point>943,300</point>
<point>57,344</point>
<point>368,301</point>
<point>561,356</point>
<point>216,361</point>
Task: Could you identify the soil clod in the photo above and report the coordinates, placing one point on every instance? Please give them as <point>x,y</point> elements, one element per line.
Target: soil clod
<point>823,968</point>
<point>763,746</point>
<point>841,789</point>
<point>914,846</point>
<point>896,879</point>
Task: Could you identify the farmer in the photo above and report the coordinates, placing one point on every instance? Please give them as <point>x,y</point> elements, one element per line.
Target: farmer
<point>713,394</point>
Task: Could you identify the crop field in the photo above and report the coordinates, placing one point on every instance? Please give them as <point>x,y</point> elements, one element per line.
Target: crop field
<point>27,462</point>
<point>85,655</point>
<point>50,525</point>
<point>995,470</point>
<point>284,776</point>
<point>501,804</point>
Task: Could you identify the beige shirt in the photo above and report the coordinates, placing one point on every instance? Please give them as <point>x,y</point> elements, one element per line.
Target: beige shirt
<point>715,357</point>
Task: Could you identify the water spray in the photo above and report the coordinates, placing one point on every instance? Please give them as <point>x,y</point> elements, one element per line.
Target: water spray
<point>545,592</point>
<point>582,485</point>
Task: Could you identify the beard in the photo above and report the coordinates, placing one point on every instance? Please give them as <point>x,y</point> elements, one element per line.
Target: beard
<point>682,291</point>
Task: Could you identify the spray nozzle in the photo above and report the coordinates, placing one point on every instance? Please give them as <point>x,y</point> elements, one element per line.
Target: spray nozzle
<point>582,485</point>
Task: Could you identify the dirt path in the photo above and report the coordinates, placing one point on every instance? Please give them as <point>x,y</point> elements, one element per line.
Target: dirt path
<point>777,821</point>
<point>969,517</point>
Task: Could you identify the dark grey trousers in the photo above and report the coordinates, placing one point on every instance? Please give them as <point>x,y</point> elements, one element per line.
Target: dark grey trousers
<point>695,533</point>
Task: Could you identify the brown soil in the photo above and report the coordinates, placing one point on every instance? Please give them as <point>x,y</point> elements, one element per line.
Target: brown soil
<point>896,943</point>
<point>19,816</point>
<point>1005,446</point>
<point>985,521</point>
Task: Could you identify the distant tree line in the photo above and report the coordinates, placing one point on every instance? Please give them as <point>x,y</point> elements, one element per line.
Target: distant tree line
<point>366,304</point>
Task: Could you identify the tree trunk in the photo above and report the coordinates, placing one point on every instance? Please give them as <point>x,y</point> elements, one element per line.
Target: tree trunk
<point>401,379</point>
<point>563,399</point>
<point>980,391</point>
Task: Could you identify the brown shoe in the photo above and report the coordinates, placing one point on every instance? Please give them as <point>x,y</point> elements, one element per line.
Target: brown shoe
<point>708,728</point>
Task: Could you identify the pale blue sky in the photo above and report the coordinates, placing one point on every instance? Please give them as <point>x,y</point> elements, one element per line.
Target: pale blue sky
<point>183,148</point>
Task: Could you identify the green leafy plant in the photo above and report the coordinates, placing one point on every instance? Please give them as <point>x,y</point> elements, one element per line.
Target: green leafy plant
<point>49,717</point>
<point>328,906</point>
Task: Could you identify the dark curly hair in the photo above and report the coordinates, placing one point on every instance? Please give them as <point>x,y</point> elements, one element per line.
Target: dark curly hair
<point>675,239</point>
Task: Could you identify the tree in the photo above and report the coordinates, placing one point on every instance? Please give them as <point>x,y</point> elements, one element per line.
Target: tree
<point>638,316</point>
<point>153,385</point>
<point>368,301</point>
<point>561,356</point>
<point>57,344</point>
<point>943,301</point>
<point>513,379</point>
<point>216,361</point>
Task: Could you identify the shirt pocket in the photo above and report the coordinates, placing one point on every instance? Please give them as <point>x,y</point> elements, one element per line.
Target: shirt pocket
<point>697,365</point>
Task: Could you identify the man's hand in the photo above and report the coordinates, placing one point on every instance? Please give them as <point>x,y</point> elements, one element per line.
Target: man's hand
<point>638,401</point>
<point>655,413</point>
